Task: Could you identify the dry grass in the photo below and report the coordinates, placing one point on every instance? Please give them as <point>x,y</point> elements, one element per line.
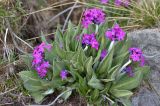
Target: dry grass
<point>139,14</point>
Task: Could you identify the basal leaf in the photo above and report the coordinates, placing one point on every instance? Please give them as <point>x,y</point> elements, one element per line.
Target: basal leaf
<point>107,80</point>
<point>29,75</point>
<point>129,83</point>
<point>66,95</point>
<point>51,55</point>
<point>57,67</point>
<point>89,63</point>
<point>121,93</point>
<point>95,83</point>
<point>106,63</point>
<point>28,60</point>
<point>98,56</point>
<point>125,102</point>
<point>33,85</point>
<point>144,69</point>
<point>43,38</point>
<point>38,96</point>
<point>82,86</point>
<point>59,36</point>
<point>95,94</point>
<point>59,51</point>
<point>49,91</point>
<point>120,58</point>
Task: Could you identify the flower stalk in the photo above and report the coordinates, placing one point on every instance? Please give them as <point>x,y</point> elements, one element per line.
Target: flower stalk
<point>111,46</point>
<point>125,65</point>
<point>85,49</point>
<point>96,31</point>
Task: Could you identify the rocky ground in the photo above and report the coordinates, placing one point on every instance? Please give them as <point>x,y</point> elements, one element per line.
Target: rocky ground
<point>149,41</point>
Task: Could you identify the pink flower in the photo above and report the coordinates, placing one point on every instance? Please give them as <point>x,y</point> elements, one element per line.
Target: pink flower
<point>129,71</point>
<point>116,33</point>
<point>38,62</point>
<point>103,54</point>
<point>95,44</point>
<point>93,15</point>
<point>136,55</point>
<point>63,74</point>
<point>104,1</point>
<point>90,40</point>
<point>122,3</point>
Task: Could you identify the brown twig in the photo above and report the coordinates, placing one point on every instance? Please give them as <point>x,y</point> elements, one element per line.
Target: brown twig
<point>1,94</point>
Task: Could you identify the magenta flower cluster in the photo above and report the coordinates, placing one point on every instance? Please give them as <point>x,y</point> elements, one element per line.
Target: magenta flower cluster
<point>94,15</point>
<point>129,71</point>
<point>103,54</point>
<point>38,62</point>
<point>90,40</point>
<point>104,1</point>
<point>122,3</point>
<point>63,74</point>
<point>136,55</point>
<point>116,33</point>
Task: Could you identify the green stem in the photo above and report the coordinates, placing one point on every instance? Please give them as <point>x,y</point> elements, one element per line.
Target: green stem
<point>85,49</point>
<point>120,74</point>
<point>96,31</point>
<point>111,46</point>
<point>125,65</point>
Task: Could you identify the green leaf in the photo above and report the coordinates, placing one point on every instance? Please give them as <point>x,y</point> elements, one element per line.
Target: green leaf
<point>49,91</point>
<point>29,75</point>
<point>33,85</point>
<point>126,102</point>
<point>121,93</point>
<point>82,86</point>
<point>107,80</point>
<point>95,94</point>
<point>129,83</point>
<point>89,63</point>
<point>43,38</point>
<point>120,58</point>
<point>98,56</point>
<point>67,36</point>
<point>38,96</point>
<point>55,83</point>
<point>114,72</point>
<point>51,55</point>
<point>144,69</point>
<point>66,95</point>
<point>59,36</point>
<point>59,51</point>
<point>32,82</point>
<point>115,104</point>
<point>57,67</point>
<point>106,63</point>
<point>124,45</point>
<point>95,83</point>
<point>74,41</point>
<point>28,60</point>
<point>82,57</point>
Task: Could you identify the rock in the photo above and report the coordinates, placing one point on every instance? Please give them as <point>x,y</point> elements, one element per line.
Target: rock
<point>146,97</point>
<point>149,41</point>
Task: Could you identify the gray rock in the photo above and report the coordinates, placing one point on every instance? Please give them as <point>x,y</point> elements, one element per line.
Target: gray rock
<point>149,41</point>
<point>146,97</point>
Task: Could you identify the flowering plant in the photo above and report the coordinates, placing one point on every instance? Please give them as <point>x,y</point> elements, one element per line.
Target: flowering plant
<point>92,59</point>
